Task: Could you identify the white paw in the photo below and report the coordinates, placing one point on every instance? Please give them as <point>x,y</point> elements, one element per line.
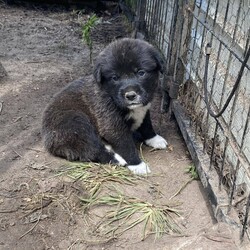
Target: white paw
<point>157,142</point>
<point>141,168</point>
<point>120,160</point>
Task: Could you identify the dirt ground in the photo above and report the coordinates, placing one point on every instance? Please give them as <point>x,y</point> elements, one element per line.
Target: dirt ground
<point>41,51</point>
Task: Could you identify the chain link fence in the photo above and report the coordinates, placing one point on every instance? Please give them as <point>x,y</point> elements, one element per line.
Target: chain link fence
<point>206,46</point>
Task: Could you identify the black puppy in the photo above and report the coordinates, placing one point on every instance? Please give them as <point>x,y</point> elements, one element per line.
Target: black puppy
<point>94,119</point>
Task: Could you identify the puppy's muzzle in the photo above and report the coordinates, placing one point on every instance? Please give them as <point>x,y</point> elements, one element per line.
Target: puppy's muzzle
<point>131,96</point>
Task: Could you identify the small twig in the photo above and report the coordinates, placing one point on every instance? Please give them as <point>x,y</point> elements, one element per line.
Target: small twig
<point>73,244</point>
<point>38,61</point>
<point>38,220</point>
<point>153,150</point>
<point>43,205</point>
<point>17,119</point>
<point>17,153</point>
<point>8,211</point>
<point>181,188</point>
<point>247,233</point>
<point>97,242</point>
<point>1,107</point>
<point>221,239</point>
<point>239,201</point>
<point>141,153</point>
<point>36,150</point>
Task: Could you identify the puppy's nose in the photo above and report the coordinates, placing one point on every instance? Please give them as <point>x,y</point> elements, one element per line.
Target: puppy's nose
<point>130,95</point>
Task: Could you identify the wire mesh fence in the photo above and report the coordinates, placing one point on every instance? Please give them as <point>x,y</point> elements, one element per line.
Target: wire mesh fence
<point>206,45</point>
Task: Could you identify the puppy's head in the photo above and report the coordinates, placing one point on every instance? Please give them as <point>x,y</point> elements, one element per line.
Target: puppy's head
<point>128,71</point>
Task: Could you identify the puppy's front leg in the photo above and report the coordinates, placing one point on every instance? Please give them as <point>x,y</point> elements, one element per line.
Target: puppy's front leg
<point>126,154</point>
<point>141,168</point>
<point>149,136</point>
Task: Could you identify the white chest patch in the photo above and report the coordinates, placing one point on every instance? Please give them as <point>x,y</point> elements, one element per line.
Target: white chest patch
<point>137,114</point>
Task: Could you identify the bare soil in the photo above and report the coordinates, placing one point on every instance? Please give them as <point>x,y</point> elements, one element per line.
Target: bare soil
<point>41,51</point>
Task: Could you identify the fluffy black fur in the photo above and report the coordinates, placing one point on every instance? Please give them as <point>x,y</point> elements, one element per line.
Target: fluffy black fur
<point>95,111</point>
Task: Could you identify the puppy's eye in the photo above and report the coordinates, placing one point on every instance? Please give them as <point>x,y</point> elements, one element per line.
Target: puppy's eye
<point>141,73</point>
<point>115,78</point>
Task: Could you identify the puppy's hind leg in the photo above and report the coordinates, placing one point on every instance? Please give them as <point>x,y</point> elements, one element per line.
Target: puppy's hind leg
<point>141,168</point>
<point>118,159</point>
<point>76,139</point>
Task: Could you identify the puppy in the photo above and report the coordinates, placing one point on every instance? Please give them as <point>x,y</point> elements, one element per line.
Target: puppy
<point>93,119</point>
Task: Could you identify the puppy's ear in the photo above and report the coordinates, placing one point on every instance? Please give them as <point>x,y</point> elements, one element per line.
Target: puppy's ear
<point>159,60</point>
<point>98,73</point>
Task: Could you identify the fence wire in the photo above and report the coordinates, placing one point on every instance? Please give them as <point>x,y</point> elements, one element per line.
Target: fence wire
<point>182,30</point>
